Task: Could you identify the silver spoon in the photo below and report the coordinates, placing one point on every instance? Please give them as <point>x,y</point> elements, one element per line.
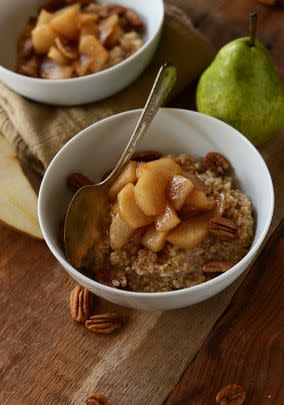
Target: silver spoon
<point>85,219</point>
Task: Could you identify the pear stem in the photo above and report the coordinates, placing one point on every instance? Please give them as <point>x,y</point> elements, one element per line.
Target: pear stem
<point>252,29</point>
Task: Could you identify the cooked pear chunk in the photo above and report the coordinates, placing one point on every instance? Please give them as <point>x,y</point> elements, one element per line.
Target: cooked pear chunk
<point>153,239</point>
<point>99,61</point>
<point>111,36</point>
<point>90,28</point>
<point>42,38</point>
<point>128,175</point>
<point>149,192</point>
<point>110,31</point>
<point>44,17</point>
<point>18,201</point>
<point>167,220</point>
<point>129,210</point>
<point>197,200</point>
<point>109,22</point>
<point>66,21</point>
<point>82,65</point>
<point>190,233</point>
<point>89,45</point>
<point>151,185</point>
<point>166,165</point>
<point>86,18</point>
<point>57,56</point>
<point>178,189</point>
<point>120,233</point>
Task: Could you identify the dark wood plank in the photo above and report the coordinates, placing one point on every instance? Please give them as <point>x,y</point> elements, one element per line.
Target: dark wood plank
<point>223,20</point>
<point>247,345</point>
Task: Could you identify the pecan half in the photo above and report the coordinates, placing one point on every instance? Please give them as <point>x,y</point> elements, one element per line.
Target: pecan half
<point>146,156</point>
<point>104,323</point>
<point>232,394</point>
<point>222,228</point>
<point>27,70</point>
<point>30,67</point>
<point>81,304</point>
<point>77,180</point>
<point>99,398</point>
<point>111,278</point>
<point>217,163</point>
<point>134,20</point>
<point>217,267</point>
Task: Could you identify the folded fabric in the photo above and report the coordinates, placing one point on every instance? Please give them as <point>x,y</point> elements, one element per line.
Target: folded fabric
<point>38,131</point>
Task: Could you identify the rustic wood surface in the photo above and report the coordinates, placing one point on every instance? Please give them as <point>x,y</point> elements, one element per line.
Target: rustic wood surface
<point>247,344</point>
<point>45,362</point>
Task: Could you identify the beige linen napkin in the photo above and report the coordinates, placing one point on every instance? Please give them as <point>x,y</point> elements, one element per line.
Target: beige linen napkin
<point>38,131</point>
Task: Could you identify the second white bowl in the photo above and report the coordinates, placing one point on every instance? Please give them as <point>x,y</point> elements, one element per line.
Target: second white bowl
<point>13,17</point>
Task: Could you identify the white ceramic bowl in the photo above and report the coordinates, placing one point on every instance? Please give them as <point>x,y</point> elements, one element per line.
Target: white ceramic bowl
<point>13,16</point>
<point>98,147</point>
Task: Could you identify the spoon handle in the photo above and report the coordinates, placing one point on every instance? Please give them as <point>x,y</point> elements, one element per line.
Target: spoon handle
<point>164,83</point>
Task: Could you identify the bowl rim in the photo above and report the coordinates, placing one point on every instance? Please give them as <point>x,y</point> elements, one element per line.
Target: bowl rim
<point>45,82</point>
<point>199,287</point>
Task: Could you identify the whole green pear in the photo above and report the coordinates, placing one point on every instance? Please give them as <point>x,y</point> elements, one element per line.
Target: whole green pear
<point>241,87</point>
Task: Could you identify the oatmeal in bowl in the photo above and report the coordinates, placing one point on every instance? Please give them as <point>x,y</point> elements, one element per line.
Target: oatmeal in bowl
<point>212,232</point>
<point>174,222</point>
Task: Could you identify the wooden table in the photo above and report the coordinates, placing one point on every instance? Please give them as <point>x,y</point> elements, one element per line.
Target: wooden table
<point>246,345</point>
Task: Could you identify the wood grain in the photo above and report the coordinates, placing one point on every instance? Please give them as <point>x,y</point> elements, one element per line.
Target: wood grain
<point>45,358</point>
<point>223,20</point>
<point>247,345</point>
